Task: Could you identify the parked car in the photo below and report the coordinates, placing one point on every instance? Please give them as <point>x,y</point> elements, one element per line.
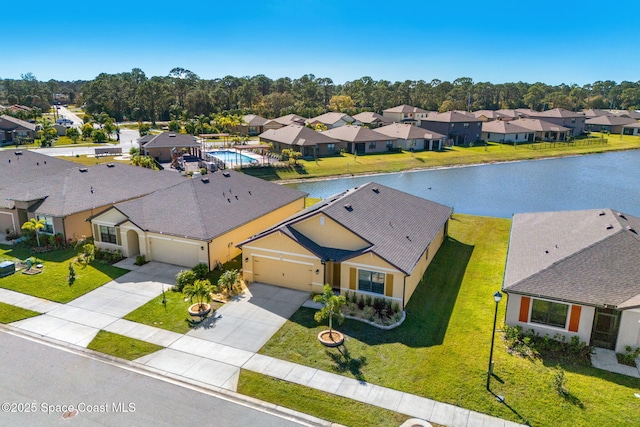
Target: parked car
<point>64,122</point>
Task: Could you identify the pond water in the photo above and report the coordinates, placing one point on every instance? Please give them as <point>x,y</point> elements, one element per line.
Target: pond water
<point>607,180</point>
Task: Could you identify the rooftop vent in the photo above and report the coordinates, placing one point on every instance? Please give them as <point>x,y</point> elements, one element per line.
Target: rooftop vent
<point>18,153</point>
<point>348,207</point>
<point>631,229</point>
<point>408,238</point>
<point>205,180</point>
<point>83,170</point>
<point>609,226</point>
<point>250,192</point>
<point>621,215</point>
<point>375,190</point>
<point>601,213</point>
<point>226,174</point>
<point>110,165</point>
<point>229,200</point>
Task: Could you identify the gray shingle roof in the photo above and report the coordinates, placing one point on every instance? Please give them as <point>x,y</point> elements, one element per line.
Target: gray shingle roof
<point>72,190</point>
<point>11,123</point>
<point>407,131</point>
<point>369,117</point>
<point>254,120</point>
<point>170,140</point>
<point>539,125</point>
<point>297,135</point>
<point>504,127</point>
<point>610,120</point>
<point>398,226</point>
<point>352,133</point>
<point>588,257</point>
<point>451,117</point>
<point>557,113</point>
<point>405,109</point>
<point>204,210</point>
<point>289,119</point>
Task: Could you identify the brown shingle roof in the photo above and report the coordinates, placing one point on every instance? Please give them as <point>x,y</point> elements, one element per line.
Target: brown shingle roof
<point>254,120</point>
<point>369,117</point>
<point>556,113</point>
<point>296,135</point>
<point>504,127</point>
<point>405,109</point>
<point>610,120</point>
<point>352,133</point>
<point>539,125</point>
<point>331,118</point>
<point>408,131</point>
<point>451,117</point>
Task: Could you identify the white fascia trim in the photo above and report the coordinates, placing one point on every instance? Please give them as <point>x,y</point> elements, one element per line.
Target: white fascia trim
<point>178,239</point>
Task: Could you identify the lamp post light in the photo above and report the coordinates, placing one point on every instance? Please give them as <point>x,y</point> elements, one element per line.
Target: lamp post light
<point>496,297</point>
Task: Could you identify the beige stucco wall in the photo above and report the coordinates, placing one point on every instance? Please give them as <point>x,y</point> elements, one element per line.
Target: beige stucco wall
<point>326,232</point>
<point>223,248</point>
<point>9,220</point>
<point>584,329</point>
<point>629,332</point>
<point>76,225</point>
<point>372,262</point>
<point>414,279</point>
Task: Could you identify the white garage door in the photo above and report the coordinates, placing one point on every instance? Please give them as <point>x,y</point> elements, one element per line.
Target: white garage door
<point>174,252</point>
<point>6,221</point>
<point>282,273</point>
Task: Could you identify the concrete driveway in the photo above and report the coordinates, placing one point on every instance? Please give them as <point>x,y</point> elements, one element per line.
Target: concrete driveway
<point>248,322</point>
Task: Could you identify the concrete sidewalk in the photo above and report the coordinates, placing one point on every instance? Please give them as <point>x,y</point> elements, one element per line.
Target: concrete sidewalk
<point>213,356</point>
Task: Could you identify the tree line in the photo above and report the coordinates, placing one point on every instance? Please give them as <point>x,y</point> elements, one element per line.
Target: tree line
<point>182,95</point>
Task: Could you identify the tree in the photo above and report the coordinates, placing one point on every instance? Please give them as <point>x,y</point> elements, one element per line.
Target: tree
<point>47,133</point>
<point>87,130</point>
<point>74,134</point>
<point>200,291</point>
<point>331,306</point>
<point>99,135</point>
<point>34,225</point>
<point>341,103</point>
<point>144,128</point>
<point>228,280</point>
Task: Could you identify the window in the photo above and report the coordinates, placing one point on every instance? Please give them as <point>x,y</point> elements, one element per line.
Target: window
<point>107,234</point>
<point>488,135</point>
<point>466,125</point>
<point>48,224</point>
<point>370,281</point>
<point>331,148</point>
<point>549,313</point>
<point>389,145</point>
<point>372,145</point>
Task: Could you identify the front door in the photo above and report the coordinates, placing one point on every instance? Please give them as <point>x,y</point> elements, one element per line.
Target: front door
<point>605,328</point>
<point>360,148</point>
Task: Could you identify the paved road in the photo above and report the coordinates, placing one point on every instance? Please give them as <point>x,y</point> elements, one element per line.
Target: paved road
<point>39,378</point>
<point>64,113</point>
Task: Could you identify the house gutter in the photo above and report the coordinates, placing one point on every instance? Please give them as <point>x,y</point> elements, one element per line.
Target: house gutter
<point>404,290</point>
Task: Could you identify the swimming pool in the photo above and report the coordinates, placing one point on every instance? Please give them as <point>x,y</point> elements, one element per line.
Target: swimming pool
<point>231,157</point>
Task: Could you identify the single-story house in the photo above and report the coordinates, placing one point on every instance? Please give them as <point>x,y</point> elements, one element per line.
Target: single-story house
<point>361,140</point>
<point>490,115</point>
<point>371,120</point>
<point>371,240</point>
<point>544,130</point>
<point>198,220</point>
<point>460,127</point>
<point>333,120</point>
<point>289,119</point>
<point>594,112</point>
<point>410,137</point>
<point>506,132</point>
<point>300,138</point>
<point>576,274</point>
<point>608,123</point>
<point>161,146</point>
<point>64,193</point>
<point>405,114</point>
<point>575,121</point>
<point>255,125</point>
<point>14,130</point>
<point>632,129</point>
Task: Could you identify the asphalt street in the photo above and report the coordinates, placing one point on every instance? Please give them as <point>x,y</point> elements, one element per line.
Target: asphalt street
<point>42,384</point>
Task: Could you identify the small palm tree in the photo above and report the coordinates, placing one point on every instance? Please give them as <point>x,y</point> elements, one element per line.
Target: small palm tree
<point>228,279</point>
<point>332,304</point>
<point>200,291</point>
<point>34,225</point>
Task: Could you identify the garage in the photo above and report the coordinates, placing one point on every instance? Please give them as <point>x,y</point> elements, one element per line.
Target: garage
<point>294,275</point>
<point>6,222</point>
<point>173,251</point>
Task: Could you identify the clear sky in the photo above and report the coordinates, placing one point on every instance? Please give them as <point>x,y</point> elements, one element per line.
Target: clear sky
<point>492,41</point>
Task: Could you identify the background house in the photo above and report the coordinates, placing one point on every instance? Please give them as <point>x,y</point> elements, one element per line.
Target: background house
<point>361,140</point>
<point>333,120</point>
<point>410,137</point>
<point>575,121</point>
<point>543,130</point>
<point>632,129</point>
<point>576,274</point>
<point>506,131</point>
<point>302,139</point>
<point>371,120</point>
<point>459,127</point>
<point>14,131</point>
<point>253,124</point>
<point>371,240</point>
<point>405,114</point>
<point>608,123</point>
<point>198,220</point>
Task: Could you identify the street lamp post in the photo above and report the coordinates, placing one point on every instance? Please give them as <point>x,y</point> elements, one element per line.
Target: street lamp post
<point>496,297</point>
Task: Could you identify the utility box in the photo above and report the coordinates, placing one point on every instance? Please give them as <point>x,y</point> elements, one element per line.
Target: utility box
<point>7,268</point>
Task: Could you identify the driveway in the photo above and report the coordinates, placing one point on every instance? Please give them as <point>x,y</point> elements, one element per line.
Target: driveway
<point>250,320</point>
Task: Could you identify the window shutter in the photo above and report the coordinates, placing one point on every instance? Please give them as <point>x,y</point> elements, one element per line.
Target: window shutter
<point>388,286</point>
<point>352,278</point>
<point>574,319</point>
<point>118,236</point>
<point>525,302</point>
<point>96,232</point>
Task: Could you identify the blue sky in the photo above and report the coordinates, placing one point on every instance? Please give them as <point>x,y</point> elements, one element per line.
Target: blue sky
<point>497,41</point>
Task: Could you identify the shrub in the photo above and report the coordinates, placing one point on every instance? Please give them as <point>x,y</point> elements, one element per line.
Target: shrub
<point>87,254</point>
<point>201,270</point>
<point>396,307</point>
<point>559,381</point>
<point>183,279</point>
<point>367,300</point>
<point>72,274</point>
<point>379,308</point>
<point>141,260</point>
<point>629,356</point>
<point>361,303</point>
<point>354,298</point>
<point>228,280</point>
<point>367,313</point>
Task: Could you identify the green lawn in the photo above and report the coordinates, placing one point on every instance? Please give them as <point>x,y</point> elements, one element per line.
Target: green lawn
<point>441,351</point>
<point>121,346</point>
<point>90,161</point>
<point>395,162</point>
<point>10,313</point>
<point>323,405</point>
<point>52,283</point>
<point>171,315</point>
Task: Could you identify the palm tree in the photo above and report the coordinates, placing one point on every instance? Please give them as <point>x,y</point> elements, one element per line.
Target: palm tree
<point>200,290</point>
<point>332,304</point>
<point>34,225</point>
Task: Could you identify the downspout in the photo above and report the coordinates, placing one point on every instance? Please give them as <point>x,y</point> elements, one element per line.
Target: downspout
<point>404,290</point>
